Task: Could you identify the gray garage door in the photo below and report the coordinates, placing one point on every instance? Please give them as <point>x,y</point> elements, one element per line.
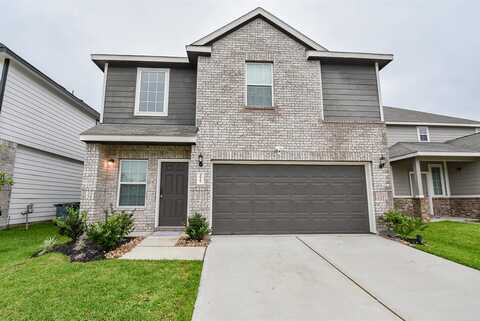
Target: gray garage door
<point>277,199</point>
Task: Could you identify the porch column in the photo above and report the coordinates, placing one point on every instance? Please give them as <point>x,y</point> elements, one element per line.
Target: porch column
<point>418,177</point>
<point>447,179</point>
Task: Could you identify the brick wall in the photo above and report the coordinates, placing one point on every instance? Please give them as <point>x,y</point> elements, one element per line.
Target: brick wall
<point>100,180</point>
<point>229,131</point>
<point>7,164</point>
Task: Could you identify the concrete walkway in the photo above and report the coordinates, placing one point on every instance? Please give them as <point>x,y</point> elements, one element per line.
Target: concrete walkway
<point>161,246</point>
<point>331,277</point>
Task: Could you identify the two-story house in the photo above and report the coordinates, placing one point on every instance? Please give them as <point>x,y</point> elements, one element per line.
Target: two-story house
<point>40,124</point>
<point>263,130</point>
<point>259,128</point>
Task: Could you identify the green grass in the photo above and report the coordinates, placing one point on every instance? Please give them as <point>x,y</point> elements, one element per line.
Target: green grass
<point>52,288</point>
<point>455,241</point>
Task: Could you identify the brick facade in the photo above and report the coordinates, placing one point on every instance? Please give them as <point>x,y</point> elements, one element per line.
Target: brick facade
<point>229,131</point>
<point>100,179</point>
<point>292,131</point>
<point>7,164</point>
<point>414,206</point>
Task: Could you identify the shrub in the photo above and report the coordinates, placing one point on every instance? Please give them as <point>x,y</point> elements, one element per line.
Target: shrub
<point>73,224</point>
<point>47,246</point>
<point>401,224</point>
<point>109,234</point>
<point>5,180</point>
<point>197,227</point>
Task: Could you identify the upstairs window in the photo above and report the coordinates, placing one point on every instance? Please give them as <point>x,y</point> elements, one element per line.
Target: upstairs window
<point>259,84</point>
<point>151,97</point>
<point>423,134</point>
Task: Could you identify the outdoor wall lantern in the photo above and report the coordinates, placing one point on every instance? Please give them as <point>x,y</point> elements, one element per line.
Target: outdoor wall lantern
<point>382,162</point>
<point>200,160</point>
<point>110,162</point>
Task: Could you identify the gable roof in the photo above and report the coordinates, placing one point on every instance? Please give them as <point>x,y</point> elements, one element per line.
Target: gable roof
<point>77,102</point>
<point>401,116</point>
<point>246,18</point>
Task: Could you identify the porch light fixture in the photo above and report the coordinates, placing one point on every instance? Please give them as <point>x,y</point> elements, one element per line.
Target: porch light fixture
<point>200,160</point>
<point>382,162</point>
<point>110,162</point>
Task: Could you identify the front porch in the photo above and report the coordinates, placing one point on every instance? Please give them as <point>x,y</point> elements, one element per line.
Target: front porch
<point>432,186</point>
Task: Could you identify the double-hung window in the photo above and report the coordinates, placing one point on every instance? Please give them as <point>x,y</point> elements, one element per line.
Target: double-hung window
<point>132,183</point>
<point>423,134</point>
<point>259,84</point>
<point>151,96</point>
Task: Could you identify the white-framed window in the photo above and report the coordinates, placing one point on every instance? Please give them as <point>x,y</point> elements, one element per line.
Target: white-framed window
<point>151,95</point>
<point>259,84</point>
<point>423,134</point>
<point>132,183</point>
<point>438,181</point>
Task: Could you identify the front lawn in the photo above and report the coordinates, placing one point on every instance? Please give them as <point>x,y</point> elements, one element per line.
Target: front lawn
<point>459,242</point>
<point>52,288</point>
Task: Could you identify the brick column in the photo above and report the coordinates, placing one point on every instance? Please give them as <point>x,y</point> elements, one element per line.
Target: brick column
<point>7,163</point>
<point>93,183</point>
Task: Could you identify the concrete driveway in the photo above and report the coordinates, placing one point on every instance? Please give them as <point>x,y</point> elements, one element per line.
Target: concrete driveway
<point>331,277</point>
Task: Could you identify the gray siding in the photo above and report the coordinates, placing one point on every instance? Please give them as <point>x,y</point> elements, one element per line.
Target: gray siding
<point>120,98</point>
<point>401,180</point>
<point>440,134</point>
<point>35,116</point>
<point>44,180</point>
<point>464,178</point>
<point>350,92</point>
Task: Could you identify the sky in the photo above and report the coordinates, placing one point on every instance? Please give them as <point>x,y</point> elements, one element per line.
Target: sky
<point>436,44</point>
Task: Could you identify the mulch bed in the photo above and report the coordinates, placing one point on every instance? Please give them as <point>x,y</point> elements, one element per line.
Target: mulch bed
<point>124,248</point>
<point>184,241</point>
<point>85,251</point>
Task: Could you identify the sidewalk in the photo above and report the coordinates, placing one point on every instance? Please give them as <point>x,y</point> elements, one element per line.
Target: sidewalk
<point>161,246</point>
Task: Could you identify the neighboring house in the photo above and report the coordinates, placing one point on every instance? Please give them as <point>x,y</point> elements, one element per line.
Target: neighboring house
<point>435,163</point>
<point>259,128</point>
<point>40,123</point>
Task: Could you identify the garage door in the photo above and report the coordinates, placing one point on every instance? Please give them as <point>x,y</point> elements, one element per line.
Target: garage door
<point>278,199</point>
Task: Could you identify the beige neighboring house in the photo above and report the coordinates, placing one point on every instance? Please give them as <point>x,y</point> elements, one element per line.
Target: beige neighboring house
<point>40,123</point>
<point>259,128</point>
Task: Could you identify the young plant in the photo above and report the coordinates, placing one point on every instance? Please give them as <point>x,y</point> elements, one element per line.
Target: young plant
<point>109,234</point>
<point>197,227</point>
<point>401,224</point>
<point>73,224</point>
<point>47,246</point>
<point>5,180</point>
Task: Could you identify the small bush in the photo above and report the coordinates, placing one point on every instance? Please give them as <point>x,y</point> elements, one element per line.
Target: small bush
<point>197,227</point>
<point>401,224</point>
<point>47,246</point>
<point>73,224</point>
<point>109,234</point>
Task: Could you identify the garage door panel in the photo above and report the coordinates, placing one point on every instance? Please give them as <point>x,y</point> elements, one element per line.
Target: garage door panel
<point>273,199</point>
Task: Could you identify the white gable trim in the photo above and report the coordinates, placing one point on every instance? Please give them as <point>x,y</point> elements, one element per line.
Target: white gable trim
<point>266,15</point>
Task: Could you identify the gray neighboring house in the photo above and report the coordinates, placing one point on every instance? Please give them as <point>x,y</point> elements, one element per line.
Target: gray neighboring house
<point>258,127</point>
<point>435,162</point>
<point>40,123</point>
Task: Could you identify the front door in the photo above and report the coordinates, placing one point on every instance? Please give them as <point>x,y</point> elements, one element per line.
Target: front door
<point>173,193</point>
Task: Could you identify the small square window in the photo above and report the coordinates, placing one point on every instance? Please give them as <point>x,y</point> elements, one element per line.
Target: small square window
<point>151,98</point>
<point>423,134</point>
<point>259,84</point>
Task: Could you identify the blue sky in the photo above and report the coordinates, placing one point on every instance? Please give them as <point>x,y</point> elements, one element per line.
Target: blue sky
<point>435,43</point>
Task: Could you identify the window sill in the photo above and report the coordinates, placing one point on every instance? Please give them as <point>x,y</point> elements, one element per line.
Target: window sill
<point>150,114</point>
<point>259,108</point>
